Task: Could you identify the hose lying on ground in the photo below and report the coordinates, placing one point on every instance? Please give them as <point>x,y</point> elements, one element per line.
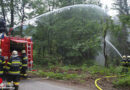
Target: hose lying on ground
<point>98,87</point>
<point>97,84</point>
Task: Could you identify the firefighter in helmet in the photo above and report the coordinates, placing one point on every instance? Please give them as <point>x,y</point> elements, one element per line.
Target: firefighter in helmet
<point>24,64</point>
<point>2,62</point>
<point>124,63</point>
<point>14,65</point>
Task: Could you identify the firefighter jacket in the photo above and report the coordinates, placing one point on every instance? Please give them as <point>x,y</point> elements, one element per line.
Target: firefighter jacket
<point>14,65</point>
<point>125,62</point>
<point>24,60</point>
<point>128,62</point>
<point>2,62</point>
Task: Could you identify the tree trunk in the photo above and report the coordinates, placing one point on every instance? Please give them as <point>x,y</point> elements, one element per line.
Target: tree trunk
<point>104,49</point>
<point>126,7</point>
<point>23,16</point>
<point>3,10</point>
<point>53,5</point>
<point>12,13</point>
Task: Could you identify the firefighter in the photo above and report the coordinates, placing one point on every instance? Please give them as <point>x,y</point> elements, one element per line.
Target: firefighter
<point>24,64</point>
<point>124,63</point>
<point>14,65</point>
<point>2,62</point>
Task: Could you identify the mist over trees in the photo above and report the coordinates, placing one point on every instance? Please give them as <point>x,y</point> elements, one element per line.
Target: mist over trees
<point>73,35</point>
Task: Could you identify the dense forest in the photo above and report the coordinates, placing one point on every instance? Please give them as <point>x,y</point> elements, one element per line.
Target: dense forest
<point>71,35</point>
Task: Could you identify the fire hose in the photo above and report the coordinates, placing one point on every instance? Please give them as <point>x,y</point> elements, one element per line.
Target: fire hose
<point>96,81</point>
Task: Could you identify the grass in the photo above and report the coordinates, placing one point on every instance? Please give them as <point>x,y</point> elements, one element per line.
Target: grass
<point>123,81</point>
<point>82,73</point>
<point>61,76</point>
<point>94,70</point>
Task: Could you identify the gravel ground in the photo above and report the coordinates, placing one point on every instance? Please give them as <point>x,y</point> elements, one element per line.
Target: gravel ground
<point>40,84</point>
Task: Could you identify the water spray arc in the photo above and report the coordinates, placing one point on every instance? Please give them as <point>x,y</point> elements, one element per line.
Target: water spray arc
<point>113,47</point>
<point>60,10</point>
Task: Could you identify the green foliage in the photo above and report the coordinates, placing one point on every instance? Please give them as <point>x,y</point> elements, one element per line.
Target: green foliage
<point>82,73</point>
<point>63,76</point>
<point>70,37</point>
<point>104,71</point>
<point>72,73</point>
<point>123,81</point>
<point>125,19</point>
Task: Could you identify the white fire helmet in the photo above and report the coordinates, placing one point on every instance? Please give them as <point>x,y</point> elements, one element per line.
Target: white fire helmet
<point>124,57</point>
<point>0,50</point>
<point>14,52</point>
<point>128,57</point>
<point>23,51</point>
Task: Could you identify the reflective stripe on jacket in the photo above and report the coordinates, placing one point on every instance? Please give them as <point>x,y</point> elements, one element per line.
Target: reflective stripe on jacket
<point>125,62</point>
<point>1,64</point>
<point>24,60</point>
<point>14,65</point>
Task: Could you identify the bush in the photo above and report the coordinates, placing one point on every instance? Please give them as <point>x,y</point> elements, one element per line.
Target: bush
<point>104,71</point>
<point>124,81</point>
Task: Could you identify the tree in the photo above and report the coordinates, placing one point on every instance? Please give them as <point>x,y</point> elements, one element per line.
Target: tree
<point>12,13</point>
<point>22,15</point>
<point>105,28</point>
<point>122,7</point>
<point>3,9</point>
<point>73,35</point>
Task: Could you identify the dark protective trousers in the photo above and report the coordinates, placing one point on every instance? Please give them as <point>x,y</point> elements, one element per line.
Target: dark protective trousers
<point>1,76</point>
<point>24,72</point>
<point>14,78</point>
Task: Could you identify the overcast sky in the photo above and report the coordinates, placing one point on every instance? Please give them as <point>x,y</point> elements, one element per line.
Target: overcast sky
<point>109,4</point>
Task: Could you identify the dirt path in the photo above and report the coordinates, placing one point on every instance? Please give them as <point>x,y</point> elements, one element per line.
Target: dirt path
<point>39,84</point>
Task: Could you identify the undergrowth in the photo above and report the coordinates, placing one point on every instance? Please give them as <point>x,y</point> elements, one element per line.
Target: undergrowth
<point>83,73</point>
<point>123,81</point>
